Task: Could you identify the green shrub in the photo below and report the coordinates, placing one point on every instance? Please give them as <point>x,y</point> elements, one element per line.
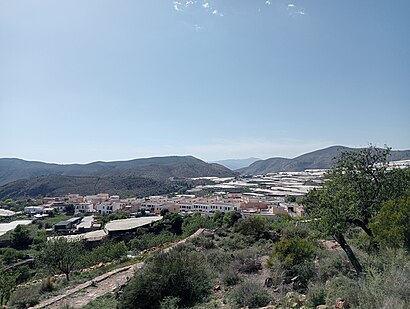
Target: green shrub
<point>106,252</point>
<point>149,240</point>
<point>388,286</point>
<point>293,231</point>
<point>23,273</point>
<point>218,259</point>
<point>255,226</point>
<point>203,242</point>
<point>251,295</point>
<point>293,251</point>
<point>335,264</point>
<point>25,296</point>
<point>345,288</point>
<point>40,238</point>
<point>316,296</point>
<point>391,225</point>
<point>247,261</point>
<point>194,222</point>
<point>10,255</point>
<point>236,242</point>
<point>230,277</point>
<point>180,274</point>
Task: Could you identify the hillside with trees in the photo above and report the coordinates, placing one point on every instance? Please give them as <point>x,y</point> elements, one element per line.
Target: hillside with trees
<point>55,185</point>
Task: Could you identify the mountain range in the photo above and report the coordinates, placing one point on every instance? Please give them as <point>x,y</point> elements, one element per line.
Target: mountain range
<point>141,177</point>
<point>149,176</point>
<point>319,159</point>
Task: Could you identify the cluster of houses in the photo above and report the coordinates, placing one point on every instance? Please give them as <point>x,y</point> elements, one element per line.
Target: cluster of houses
<point>103,203</point>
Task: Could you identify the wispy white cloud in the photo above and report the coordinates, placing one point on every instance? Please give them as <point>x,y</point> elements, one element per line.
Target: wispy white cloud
<point>215,12</point>
<point>198,27</point>
<point>177,5</point>
<point>295,10</point>
<point>267,2</point>
<point>184,5</point>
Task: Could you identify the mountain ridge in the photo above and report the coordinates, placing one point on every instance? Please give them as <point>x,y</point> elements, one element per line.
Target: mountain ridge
<point>13,169</point>
<point>320,159</point>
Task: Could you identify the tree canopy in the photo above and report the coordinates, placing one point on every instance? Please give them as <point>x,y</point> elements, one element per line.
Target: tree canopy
<point>61,254</point>
<point>353,193</point>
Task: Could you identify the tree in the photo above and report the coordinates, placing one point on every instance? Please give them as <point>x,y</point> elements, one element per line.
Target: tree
<point>61,254</point>
<point>391,226</point>
<point>20,237</point>
<point>352,194</point>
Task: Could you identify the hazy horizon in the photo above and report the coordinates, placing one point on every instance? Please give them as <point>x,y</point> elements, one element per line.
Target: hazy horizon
<point>84,81</point>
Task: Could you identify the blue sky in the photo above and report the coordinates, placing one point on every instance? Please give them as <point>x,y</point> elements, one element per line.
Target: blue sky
<point>86,80</point>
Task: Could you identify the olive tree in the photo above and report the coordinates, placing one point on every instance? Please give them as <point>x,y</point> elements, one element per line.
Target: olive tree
<point>353,193</point>
<point>62,255</point>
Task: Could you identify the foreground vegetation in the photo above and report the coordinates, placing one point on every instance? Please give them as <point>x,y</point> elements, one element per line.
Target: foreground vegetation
<point>350,250</point>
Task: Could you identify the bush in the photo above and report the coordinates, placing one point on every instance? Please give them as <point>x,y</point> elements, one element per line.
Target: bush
<point>10,256</point>
<point>293,251</point>
<point>106,252</point>
<point>335,264</point>
<point>389,286</point>
<point>149,240</point>
<point>230,277</point>
<point>194,222</point>
<point>47,285</point>
<point>236,242</point>
<point>180,274</point>
<point>316,296</point>
<point>219,259</point>
<point>255,226</point>
<point>203,242</point>
<point>391,225</point>
<point>40,238</point>
<point>24,297</point>
<point>251,295</point>
<point>247,261</point>
<point>345,288</point>
<point>23,274</point>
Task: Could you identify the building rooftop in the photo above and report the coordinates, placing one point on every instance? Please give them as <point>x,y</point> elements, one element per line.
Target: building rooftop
<point>129,224</point>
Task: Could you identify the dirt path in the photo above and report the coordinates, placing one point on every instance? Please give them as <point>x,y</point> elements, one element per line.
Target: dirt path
<point>86,292</point>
